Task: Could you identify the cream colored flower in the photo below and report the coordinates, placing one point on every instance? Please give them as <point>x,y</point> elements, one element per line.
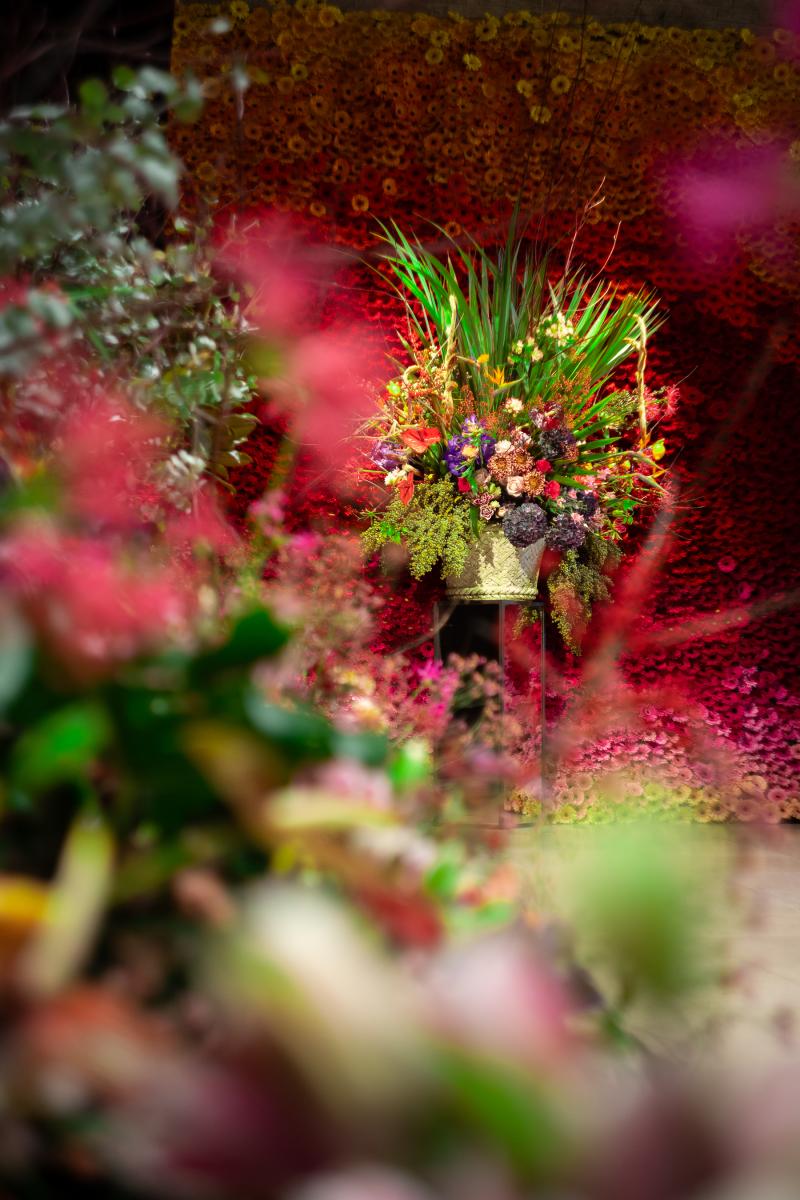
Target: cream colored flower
<point>513,405</point>
<point>514,485</point>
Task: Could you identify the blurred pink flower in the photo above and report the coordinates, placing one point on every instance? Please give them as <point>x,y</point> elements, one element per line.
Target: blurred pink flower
<point>203,526</point>
<point>502,973</point>
<point>363,1183</point>
<point>283,273</point>
<point>735,191</point>
<point>92,608</point>
<point>107,451</point>
<point>327,391</point>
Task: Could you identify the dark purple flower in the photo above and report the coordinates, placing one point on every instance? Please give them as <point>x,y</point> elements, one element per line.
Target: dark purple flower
<point>556,443</point>
<point>586,503</point>
<point>566,533</point>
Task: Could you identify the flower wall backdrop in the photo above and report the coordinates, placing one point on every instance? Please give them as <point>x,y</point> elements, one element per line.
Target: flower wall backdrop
<point>689,137</point>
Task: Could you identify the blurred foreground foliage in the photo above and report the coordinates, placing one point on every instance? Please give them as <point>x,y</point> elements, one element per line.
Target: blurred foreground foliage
<point>250,944</point>
<point>85,195</point>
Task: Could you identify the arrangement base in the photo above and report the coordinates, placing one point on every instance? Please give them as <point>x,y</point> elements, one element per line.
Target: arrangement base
<point>495,570</point>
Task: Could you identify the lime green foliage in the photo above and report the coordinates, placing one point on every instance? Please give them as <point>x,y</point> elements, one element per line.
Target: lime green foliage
<point>435,527</point>
<point>527,617</point>
<point>578,583</point>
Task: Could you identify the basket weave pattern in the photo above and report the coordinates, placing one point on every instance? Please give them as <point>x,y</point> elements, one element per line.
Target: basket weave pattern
<point>496,570</point>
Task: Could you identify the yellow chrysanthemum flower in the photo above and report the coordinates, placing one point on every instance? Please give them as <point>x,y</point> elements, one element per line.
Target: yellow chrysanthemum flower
<point>329,15</point>
<point>486,29</point>
<point>560,84</point>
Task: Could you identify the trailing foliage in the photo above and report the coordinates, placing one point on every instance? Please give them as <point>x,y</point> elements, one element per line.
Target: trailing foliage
<point>577,585</point>
<point>435,527</point>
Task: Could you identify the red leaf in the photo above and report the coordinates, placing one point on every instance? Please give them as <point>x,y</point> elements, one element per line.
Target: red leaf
<point>407,916</point>
<point>421,438</point>
<point>405,488</point>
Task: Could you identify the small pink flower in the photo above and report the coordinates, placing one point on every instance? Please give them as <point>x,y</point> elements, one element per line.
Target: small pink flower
<point>514,485</point>
<point>552,489</point>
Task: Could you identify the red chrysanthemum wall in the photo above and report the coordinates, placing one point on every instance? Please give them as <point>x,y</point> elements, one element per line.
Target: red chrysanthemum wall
<point>690,138</point>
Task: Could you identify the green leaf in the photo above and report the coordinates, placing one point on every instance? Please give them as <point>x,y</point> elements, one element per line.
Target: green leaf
<point>75,907</point>
<point>509,1109</point>
<point>62,747</point>
<point>367,748</point>
<point>94,96</point>
<point>444,879</point>
<point>16,659</point>
<point>155,81</point>
<point>410,765</point>
<point>52,309</point>
<point>123,77</point>
<point>302,809</point>
<point>254,636</point>
<point>300,733</point>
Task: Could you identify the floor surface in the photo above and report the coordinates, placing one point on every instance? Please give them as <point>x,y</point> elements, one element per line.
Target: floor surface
<point>747,882</point>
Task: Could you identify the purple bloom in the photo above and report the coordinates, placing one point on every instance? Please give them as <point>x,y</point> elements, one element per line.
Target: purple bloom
<point>453,454</point>
<point>387,456</point>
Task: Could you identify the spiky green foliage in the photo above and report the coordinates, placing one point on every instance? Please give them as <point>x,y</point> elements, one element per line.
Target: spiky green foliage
<point>500,300</point>
<point>577,585</point>
<point>495,299</point>
<point>435,528</point>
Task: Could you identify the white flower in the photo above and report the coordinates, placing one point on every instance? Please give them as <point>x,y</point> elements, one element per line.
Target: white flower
<point>536,354</point>
<point>513,405</point>
<point>514,485</point>
<point>397,474</point>
<point>518,347</point>
<point>502,447</point>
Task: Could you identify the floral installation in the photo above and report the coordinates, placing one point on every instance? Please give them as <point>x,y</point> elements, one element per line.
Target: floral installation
<point>506,411</point>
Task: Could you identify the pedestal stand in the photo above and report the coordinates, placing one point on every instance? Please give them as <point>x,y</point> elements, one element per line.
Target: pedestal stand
<point>484,634</point>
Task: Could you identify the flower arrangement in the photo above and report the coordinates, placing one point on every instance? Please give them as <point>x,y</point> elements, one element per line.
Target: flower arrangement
<point>505,412</point>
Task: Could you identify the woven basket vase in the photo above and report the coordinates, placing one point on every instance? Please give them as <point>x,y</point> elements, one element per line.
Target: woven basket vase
<point>496,570</point>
